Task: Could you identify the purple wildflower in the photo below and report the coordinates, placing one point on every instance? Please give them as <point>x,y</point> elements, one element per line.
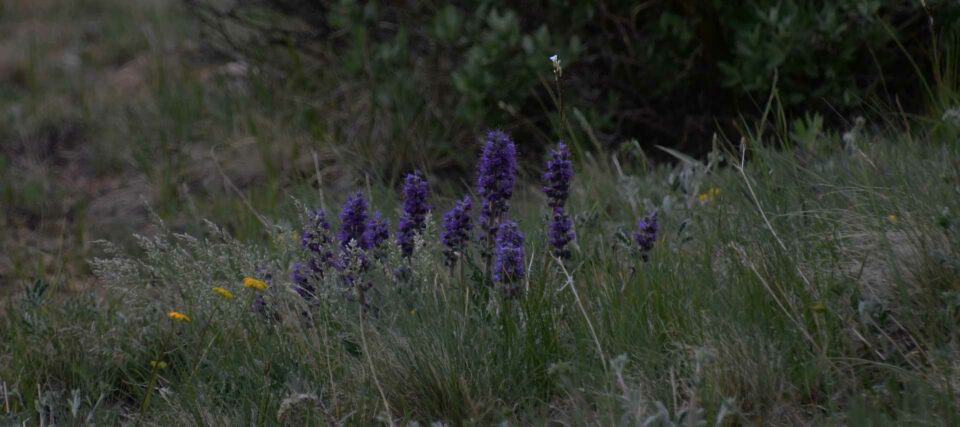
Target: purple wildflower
<point>646,234</point>
<point>377,232</point>
<point>556,179</point>
<point>353,220</point>
<point>317,239</point>
<point>561,233</point>
<point>496,176</point>
<point>303,277</point>
<point>556,184</point>
<point>316,234</point>
<point>508,260</point>
<point>415,209</point>
<point>456,229</point>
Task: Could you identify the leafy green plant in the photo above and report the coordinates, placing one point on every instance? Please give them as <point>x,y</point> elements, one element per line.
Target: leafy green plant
<point>669,71</point>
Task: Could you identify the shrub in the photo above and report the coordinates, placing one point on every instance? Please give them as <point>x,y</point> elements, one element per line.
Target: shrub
<point>665,71</point>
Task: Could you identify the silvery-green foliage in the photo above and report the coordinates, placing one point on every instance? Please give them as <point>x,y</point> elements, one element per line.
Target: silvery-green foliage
<point>637,409</point>
<point>425,262</point>
<point>179,271</point>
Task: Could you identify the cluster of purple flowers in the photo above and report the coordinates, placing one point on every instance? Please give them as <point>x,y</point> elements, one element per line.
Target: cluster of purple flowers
<point>646,234</point>
<point>317,240</point>
<point>560,233</point>
<point>508,259</point>
<point>496,176</point>
<point>457,227</point>
<point>353,220</point>
<point>316,236</point>
<point>359,234</point>
<point>415,210</point>
<point>559,173</point>
<point>501,238</point>
<point>377,232</point>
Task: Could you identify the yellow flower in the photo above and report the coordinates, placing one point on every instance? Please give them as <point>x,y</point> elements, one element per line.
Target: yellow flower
<point>251,283</point>
<point>180,317</point>
<point>158,364</point>
<point>893,218</point>
<point>223,293</point>
<point>709,195</point>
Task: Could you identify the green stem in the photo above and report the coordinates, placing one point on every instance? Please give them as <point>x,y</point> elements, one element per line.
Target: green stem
<point>150,385</point>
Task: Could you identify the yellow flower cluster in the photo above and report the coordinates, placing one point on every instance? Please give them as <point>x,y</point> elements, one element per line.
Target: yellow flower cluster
<point>251,283</point>
<point>158,364</point>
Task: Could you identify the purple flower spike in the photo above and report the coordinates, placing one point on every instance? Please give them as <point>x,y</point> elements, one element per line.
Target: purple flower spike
<point>508,259</point>
<point>316,235</point>
<point>496,176</point>
<point>556,179</point>
<point>317,239</point>
<point>556,184</point>
<point>561,233</point>
<point>456,229</point>
<point>646,234</point>
<point>415,209</point>
<point>353,220</point>
<point>377,232</point>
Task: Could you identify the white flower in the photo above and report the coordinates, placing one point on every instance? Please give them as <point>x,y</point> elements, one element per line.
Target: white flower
<point>952,116</point>
<point>557,68</point>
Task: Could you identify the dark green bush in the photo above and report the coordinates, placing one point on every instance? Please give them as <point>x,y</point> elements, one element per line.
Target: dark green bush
<point>664,72</point>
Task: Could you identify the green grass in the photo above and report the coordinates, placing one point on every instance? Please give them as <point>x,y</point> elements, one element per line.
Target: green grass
<point>819,286</point>
<point>105,104</point>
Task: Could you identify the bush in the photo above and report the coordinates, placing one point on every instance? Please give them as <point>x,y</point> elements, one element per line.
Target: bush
<point>667,72</point>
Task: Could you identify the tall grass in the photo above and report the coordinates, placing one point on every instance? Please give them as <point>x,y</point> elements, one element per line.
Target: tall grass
<point>813,285</point>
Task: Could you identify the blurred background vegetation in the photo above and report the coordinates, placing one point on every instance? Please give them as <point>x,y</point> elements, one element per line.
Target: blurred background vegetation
<point>226,109</point>
<point>431,74</point>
